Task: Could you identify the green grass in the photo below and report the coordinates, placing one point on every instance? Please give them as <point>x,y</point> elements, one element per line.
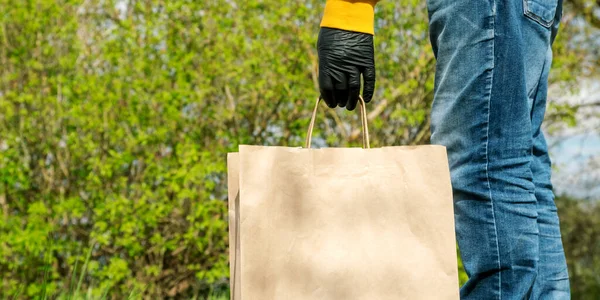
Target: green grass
<point>217,296</point>
<point>76,293</point>
<point>134,294</point>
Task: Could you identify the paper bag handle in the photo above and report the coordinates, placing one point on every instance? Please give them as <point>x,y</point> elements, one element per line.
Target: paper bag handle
<point>363,121</point>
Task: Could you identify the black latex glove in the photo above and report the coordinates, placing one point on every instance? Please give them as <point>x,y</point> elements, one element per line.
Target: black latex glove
<point>343,57</point>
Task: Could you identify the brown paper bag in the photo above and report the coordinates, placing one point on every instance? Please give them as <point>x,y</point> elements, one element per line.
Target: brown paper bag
<point>341,223</point>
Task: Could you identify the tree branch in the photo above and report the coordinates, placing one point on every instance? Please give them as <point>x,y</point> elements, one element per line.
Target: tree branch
<point>372,115</point>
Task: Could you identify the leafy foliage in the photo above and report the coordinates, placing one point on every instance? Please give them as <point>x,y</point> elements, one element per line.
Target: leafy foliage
<point>580,228</point>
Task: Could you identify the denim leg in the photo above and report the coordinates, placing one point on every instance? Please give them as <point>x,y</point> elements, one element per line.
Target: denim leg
<point>461,34</point>
<point>553,279</point>
<point>489,56</point>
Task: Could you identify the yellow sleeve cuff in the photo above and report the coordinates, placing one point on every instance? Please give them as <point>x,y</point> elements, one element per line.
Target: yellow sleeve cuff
<point>350,15</point>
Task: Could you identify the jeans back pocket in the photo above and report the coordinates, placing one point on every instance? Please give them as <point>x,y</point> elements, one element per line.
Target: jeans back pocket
<point>541,11</point>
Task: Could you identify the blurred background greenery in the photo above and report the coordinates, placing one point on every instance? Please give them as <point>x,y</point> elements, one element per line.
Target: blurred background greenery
<point>116,117</point>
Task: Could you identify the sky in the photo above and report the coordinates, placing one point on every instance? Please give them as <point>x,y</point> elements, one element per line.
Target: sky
<point>576,151</point>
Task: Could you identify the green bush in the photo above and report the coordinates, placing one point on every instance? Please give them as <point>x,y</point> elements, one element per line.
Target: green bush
<point>109,139</point>
<point>580,227</point>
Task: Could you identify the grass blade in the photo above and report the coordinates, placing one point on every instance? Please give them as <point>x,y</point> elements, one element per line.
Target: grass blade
<point>73,275</point>
<point>131,293</point>
<point>105,293</point>
<point>19,291</point>
<point>84,269</point>
<point>44,296</point>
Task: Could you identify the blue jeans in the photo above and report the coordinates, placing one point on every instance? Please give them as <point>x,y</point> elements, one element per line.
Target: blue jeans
<point>493,59</point>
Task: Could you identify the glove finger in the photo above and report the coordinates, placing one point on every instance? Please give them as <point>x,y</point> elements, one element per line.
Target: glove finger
<point>340,91</point>
<point>326,89</point>
<point>369,80</point>
<point>353,88</point>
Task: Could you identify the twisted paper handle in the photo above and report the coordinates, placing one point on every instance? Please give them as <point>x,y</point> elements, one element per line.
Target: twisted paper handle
<point>363,120</point>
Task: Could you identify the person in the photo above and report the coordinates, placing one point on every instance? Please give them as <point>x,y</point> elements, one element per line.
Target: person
<point>492,63</point>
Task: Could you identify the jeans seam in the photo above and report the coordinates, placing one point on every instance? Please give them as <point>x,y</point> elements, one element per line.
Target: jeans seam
<point>533,103</point>
<point>528,13</point>
<point>487,142</point>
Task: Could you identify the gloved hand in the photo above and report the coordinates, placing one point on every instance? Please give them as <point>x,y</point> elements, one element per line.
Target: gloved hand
<point>343,57</point>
